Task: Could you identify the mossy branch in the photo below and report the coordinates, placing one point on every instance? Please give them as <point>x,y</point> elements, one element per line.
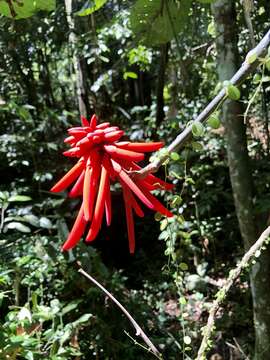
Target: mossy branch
<point>222,293</point>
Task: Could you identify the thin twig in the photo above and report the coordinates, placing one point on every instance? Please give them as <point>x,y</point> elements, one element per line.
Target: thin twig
<point>139,331</point>
<point>222,293</point>
<point>246,68</point>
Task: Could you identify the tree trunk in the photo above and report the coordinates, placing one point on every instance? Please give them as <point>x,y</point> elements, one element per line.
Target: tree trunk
<point>79,65</point>
<point>240,172</point>
<point>161,82</point>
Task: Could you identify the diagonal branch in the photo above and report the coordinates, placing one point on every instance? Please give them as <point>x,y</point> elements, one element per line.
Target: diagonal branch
<point>246,68</point>
<point>220,296</point>
<point>139,330</point>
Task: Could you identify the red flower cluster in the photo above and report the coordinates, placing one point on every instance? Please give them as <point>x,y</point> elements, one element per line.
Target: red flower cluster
<point>102,159</point>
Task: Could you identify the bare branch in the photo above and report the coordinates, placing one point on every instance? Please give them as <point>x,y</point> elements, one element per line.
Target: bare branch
<point>246,68</point>
<point>222,293</point>
<point>139,331</point>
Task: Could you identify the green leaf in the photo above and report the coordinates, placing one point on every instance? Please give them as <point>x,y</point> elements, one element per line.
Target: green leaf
<point>25,8</point>
<point>176,201</point>
<point>182,300</point>
<point>233,92</point>
<point>197,146</point>
<point>211,29</point>
<point>17,226</point>
<point>265,79</point>
<point>174,156</point>
<point>187,340</point>
<point>158,216</point>
<point>183,266</point>
<point>213,121</point>
<point>15,198</point>
<point>267,64</point>
<point>251,57</point>
<point>71,306</point>
<point>90,7</point>
<point>45,223</point>
<point>163,224</point>
<point>130,74</point>
<point>84,318</point>
<point>31,219</point>
<point>197,129</point>
<point>257,78</point>
<point>156,21</point>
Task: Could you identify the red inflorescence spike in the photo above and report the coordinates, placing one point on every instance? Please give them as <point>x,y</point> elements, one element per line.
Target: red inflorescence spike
<point>103,159</point>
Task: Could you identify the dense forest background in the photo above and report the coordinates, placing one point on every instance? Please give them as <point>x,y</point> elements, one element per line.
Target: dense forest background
<point>148,67</point>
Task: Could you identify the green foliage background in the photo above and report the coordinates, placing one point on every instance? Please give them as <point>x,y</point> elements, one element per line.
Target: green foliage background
<point>48,311</point>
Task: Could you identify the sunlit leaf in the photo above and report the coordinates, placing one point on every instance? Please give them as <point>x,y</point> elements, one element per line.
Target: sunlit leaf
<point>25,8</point>
<point>17,226</point>
<point>91,6</point>
<point>157,22</point>
<point>45,223</point>
<point>15,198</point>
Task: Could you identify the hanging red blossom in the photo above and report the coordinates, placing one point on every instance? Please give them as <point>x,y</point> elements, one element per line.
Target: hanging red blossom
<point>102,158</point>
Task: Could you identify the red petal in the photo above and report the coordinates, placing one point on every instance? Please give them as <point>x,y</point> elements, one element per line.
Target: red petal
<point>69,140</point>
<point>86,192</point>
<point>77,132</point>
<point>99,209</point>
<point>108,205</point>
<point>126,179</point>
<point>84,121</point>
<point>93,122</point>
<point>157,205</point>
<point>130,222</point>
<point>110,129</point>
<point>123,154</point>
<point>77,189</point>
<point>150,178</point>
<point>76,232</point>
<point>147,185</point>
<point>85,143</point>
<point>73,152</point>
<point>131,199</point>
<point>103,125</point>
<point>90,185</point>
<point>114,135</point>
<point>68,179</point>
<point>142,147</point>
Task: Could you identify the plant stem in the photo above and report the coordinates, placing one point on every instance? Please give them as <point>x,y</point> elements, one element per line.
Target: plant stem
<point>222,293</point>
<point>139,331</point>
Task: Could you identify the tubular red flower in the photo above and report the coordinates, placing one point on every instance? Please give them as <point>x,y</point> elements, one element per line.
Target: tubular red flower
<point>77,189</point>
<point>84,121</point>
<point>68,179</point>
<point>130,221</point>
<point>100,203</point>
<point>103,159</point>
<point>76,232</point>
<point>90,185</point>
<point>141,147</point>
<point>108,205</point>
<point>123,154</point>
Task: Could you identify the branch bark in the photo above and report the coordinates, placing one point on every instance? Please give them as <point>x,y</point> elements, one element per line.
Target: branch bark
<point>242,73</point>
<point>222,293</point>
<point>139,330</point>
